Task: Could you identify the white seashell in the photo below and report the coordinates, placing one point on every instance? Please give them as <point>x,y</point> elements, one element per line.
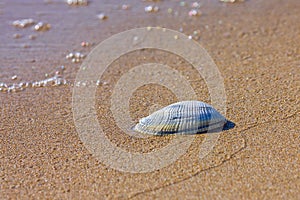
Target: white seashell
<point>186,117</point>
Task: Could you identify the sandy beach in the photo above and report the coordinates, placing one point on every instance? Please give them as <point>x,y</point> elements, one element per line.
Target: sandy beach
<point>256,48</point>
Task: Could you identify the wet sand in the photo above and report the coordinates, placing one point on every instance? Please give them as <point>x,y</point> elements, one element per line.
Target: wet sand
<point>255,45</point>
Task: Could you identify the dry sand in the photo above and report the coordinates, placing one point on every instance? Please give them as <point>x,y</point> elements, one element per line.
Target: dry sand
<point>255,45</point>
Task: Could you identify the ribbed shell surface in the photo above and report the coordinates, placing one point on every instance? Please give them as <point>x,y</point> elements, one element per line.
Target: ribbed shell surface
<point>186,117</point>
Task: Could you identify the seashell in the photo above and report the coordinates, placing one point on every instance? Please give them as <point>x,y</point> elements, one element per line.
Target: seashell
<point>186,117</point>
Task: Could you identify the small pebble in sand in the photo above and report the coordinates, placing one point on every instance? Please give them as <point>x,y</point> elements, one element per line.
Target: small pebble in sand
<point>75,60</point>
<point>196,32</point>
<point>170,10</point>
<point>125,7</point>
<point>194,12</point>
<point>23,23</point>
<point>148,8</point>
<point>14,77</point>
<point>32,37</point>
<point>190,37</point>
<point>98,82</point>
<point>77,2</point>
<point>135,38</point>
<point>42,26</point>
<point>175,37</point>
<point>57,72</point>
<point>3,87</point>
<point>17,36</point>
<point>21,84</point>
<point>70,55</point>
<point>102,16</point>
<point>78,55</point>
<point>196,5</point>
<point>75,57</point>
<point>151,9</point>
<point>25,46</point>
<point>182,3</point>
<point>85,44</point>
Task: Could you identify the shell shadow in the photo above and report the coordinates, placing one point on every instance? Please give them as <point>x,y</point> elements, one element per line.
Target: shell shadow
<point>229,125</point>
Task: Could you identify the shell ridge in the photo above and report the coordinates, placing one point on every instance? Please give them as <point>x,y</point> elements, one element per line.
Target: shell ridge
<point>187,117</point>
